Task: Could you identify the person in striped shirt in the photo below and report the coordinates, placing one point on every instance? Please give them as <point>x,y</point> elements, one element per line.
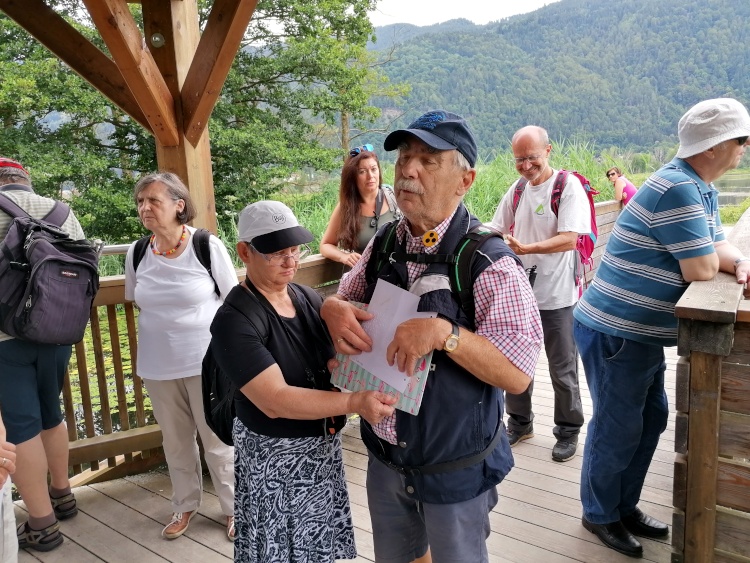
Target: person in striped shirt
<point>669,235</point>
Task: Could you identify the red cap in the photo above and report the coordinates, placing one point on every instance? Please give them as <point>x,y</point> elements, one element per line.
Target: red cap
<point>8,163</point>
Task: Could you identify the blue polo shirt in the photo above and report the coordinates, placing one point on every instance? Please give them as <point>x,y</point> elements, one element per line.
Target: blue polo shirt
<point>674,216</point>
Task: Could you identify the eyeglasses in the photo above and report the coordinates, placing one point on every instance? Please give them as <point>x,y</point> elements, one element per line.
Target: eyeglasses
<point>742,140</point>
<point>532,159</point>
<point>610,174</point>
<point>279,259</point>
<point>356,150</point>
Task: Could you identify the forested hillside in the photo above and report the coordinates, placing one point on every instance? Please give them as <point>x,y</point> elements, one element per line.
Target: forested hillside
<point>613,72</point>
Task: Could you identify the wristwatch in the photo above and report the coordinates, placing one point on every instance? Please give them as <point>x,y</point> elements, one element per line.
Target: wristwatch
<point>451,343</point>
<point>737,262</point>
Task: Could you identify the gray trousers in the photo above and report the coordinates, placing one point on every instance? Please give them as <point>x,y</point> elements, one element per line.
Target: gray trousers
<point>562,355</point>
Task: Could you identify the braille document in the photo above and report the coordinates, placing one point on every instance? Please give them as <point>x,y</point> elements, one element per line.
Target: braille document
<point>391,306</point>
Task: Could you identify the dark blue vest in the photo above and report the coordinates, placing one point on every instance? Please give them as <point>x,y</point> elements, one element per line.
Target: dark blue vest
<point>460,414</point>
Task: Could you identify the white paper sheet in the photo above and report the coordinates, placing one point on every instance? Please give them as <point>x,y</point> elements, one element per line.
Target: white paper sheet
<point>391,306</point>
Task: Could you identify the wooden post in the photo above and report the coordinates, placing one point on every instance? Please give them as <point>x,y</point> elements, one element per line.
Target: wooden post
<point>703,453</point>
<point>177,22</point>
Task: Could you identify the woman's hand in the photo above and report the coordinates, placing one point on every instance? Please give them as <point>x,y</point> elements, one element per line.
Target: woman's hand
<point>373,406</point>
<point>350,258</point>
<point>7,461</point>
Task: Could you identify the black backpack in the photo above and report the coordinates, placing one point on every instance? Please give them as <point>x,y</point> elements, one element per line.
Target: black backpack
<point>48,281</point>
<point>201,245</point>
<point>463,261</point>
<point>218,387</point>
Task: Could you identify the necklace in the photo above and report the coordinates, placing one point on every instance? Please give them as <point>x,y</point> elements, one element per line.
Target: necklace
<point>156,251</point>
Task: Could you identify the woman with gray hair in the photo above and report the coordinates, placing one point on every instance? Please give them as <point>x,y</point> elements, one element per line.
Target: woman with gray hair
<point>177,298</point>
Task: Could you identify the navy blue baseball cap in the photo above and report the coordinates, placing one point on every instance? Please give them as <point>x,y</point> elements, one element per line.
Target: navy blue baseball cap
<point>440,130</point>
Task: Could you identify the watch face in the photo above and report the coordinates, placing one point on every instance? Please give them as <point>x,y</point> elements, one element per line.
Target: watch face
<point>452,343</point>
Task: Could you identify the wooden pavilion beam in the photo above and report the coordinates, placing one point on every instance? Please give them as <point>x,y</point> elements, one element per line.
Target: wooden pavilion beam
<point>75,50</point>
<point>124,40</point>
<point>218,46</point>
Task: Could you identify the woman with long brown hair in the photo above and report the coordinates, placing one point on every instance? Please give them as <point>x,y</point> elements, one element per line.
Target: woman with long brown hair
<point>365,204</point>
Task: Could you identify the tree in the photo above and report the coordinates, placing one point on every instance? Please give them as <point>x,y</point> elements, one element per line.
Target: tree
<point>278,113</point>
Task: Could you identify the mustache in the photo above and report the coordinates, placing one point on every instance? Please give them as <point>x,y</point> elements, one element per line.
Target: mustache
<point>406,185</point>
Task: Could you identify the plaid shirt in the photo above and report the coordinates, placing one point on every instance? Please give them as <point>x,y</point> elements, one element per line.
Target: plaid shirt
<point>506,311</point>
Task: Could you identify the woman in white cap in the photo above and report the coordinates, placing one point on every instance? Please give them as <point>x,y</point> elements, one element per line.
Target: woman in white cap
<point>291,499</point>
<point>177,298</point>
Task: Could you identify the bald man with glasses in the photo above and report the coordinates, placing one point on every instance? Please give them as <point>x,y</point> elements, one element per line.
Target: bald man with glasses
<point>545,239</point>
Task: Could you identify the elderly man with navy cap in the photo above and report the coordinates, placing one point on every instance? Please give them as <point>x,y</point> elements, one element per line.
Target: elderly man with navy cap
<point>669,235</point>
<point>432,477</point>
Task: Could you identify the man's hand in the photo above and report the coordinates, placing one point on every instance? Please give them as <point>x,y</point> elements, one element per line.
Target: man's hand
<point>415,338</point>
<point>344,324</point>
<point>514,245</point>
<point>743,275</point>
<point>7,461</point>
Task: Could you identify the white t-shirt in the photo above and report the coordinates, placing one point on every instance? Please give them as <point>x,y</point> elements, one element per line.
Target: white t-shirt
<point>177,304</point>
<point>555,286</point>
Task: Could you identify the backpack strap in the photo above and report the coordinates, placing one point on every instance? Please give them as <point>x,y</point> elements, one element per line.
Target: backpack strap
<point>248,305</point>
<point>139,252</point>
<point>381,251</point>
<point>462,274</point>
<point>557,189</point>
<point>56,216</point>
<point>201,244</point>
<point>390,197</point>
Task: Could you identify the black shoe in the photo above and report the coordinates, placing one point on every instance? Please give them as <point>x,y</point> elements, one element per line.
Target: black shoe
<point>616,537</point>
<point>640,524</point>
<point>514,436</point>
<point>564,450</point>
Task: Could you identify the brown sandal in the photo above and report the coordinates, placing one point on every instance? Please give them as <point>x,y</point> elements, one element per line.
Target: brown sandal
<point>41,540</point>
<point>65,506</point>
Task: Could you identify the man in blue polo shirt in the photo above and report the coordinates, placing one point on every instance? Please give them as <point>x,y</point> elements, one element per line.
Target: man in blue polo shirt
<point>669,235</point>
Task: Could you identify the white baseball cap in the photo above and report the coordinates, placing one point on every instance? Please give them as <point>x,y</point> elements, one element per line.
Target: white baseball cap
<point>709,123</point>
<point>271,226</point>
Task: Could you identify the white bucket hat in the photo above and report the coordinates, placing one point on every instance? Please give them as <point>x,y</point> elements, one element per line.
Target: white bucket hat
<point>271,226</point>
<point>709,123</point>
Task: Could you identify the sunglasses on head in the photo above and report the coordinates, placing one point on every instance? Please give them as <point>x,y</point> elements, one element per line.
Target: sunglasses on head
<point>356,150</point>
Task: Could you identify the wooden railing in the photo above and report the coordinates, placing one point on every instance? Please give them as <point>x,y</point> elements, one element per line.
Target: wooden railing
<point>111,427</point>
<point>110,424</point>
<point>711,520</point>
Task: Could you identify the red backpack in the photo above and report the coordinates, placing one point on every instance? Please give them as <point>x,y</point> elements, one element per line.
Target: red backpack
<point>585,243</point>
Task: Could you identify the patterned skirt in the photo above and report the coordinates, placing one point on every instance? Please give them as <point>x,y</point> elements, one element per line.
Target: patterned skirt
<point>291,501</point>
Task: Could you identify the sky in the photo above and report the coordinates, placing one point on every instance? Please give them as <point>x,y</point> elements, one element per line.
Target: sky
<point>428,12</point>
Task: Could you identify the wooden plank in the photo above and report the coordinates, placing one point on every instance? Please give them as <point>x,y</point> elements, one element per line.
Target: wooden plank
<point>733,532</point>
<point>114,342</point>
<point>735,383</point>
<point>733,435</point>
<point>743,311</point>
<point>682,387</point>
<point>70,46</point>
<point>128,48</point>
<point>218,46</point>
<point>140,413</point>
<point>682,423</point>
<point>704,336</point>
<point>723,557</point>
<point>733,484</point>
<point>705,375</point>
<point>678,532</point>
<point>679,483</point>
<point>114,444</point>
<point>139,463</point>
<point>711,301</point>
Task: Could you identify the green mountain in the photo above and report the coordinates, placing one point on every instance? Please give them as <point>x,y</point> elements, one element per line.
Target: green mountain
<point>609,72</point>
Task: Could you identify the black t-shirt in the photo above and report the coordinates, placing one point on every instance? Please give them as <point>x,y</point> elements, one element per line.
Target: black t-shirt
<point>240,351</point>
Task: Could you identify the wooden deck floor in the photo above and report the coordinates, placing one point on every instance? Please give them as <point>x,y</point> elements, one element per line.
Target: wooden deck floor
<point>536,520</point>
